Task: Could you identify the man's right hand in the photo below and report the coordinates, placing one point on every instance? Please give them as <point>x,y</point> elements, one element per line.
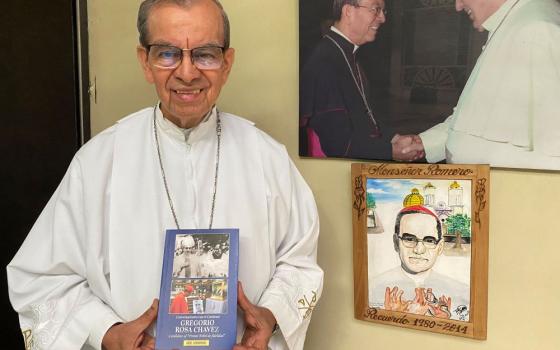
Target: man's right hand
<point>394,300</point>
<point>407,148</point>
<point>132,335</point>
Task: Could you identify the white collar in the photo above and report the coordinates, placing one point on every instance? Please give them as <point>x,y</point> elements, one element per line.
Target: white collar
<point>191,135</point>
<point>417,278</point>
<point>334,29</point>
<point>497,17</point>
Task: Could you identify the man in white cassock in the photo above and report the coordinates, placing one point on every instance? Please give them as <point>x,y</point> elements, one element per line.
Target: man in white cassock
<point>508,114</point>
<point>414,287</point>
<point>90,268</point>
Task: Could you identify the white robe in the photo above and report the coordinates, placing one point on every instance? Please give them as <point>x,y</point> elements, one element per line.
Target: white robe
<point>94,256</point>
<point>508,114</point>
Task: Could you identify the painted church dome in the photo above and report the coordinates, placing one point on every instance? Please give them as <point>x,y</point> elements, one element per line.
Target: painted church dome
<point>454,186</point>
<point>414,198</point>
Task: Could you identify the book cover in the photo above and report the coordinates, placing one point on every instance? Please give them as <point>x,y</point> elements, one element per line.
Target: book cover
<point>198,294</point>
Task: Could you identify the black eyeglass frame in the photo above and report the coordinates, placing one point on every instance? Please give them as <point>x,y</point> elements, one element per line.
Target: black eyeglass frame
<point>376,10</point>
<point>416,241</point>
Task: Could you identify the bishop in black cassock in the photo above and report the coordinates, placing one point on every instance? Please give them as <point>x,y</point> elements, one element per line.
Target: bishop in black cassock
<point>334,121</point>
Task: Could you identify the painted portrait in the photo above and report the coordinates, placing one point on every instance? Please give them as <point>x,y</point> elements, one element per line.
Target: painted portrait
<point>420,234</point>
<point>419,253</point>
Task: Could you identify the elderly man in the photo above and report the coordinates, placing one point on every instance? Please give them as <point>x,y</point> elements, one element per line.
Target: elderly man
<point>414,287</point>
<point>509,112</point>
<point>336,115</point>
<point>179,164</point>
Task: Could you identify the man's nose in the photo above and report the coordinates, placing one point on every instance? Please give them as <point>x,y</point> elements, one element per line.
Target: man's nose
<point>186,70</point>
<point>420,247</point>
<point>459,6</point>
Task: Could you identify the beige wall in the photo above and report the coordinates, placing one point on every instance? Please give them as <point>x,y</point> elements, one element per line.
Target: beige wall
<point>524,276</point>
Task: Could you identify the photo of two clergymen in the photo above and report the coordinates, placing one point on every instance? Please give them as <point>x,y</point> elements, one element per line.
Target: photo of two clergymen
<point>437,81</point>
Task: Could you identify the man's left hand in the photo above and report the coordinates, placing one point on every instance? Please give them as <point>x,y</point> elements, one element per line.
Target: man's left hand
<point>407,148</point>
<point>259,323</point>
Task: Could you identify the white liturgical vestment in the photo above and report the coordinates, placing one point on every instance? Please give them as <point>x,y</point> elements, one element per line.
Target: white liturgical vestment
<point>94,256</point>
<point>508,114</point>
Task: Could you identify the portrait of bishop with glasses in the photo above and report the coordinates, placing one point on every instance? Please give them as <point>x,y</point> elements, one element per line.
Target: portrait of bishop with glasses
<point>419,246</point>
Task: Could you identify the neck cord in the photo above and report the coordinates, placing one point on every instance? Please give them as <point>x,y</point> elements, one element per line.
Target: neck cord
<point>359,85</point>
<point>165,184</point>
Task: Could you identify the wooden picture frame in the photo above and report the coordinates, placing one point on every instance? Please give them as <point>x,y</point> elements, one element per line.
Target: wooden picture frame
<point>420,234</point>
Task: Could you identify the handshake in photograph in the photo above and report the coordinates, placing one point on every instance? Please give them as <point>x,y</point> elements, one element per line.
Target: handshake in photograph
<point>390,81</point>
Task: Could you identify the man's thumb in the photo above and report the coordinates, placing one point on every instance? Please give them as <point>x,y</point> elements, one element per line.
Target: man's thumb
<point>242,299</point>
<point>149,315</point>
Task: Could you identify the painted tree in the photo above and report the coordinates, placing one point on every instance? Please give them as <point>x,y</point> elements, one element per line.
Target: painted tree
<point>459,225</point>
<point>370,200</point>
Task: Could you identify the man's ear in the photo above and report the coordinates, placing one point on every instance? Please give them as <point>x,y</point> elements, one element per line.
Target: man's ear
<point>229,58</point>
<point>396,242</point>
<point>142,55</point>
<point>440,246</point>
<point>346,10</point>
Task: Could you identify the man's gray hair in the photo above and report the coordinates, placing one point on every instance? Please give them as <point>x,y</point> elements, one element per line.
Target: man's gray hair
<point>339,4</point>
<point>147,6</point>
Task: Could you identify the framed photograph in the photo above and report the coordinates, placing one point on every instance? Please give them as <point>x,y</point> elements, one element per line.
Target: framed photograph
<point>413,80</point>
<point>420,236</point>
<point>411,75</point>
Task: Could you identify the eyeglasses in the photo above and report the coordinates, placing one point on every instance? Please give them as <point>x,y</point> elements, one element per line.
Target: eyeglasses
<point>411,241</point>
<point>376,10</point>
<point>169,57</point>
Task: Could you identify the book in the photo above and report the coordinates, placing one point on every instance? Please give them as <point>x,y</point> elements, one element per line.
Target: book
<point>198,293</point>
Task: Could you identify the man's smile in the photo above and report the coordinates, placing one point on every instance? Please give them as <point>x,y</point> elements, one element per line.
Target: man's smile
<point>187,92</point>
<point>187,95</point>
<point>417,259</point>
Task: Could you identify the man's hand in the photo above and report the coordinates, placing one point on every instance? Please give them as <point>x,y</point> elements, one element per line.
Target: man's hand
<point>394,301</point>
<point>259,323</point>
<point>131,335</point>
<point>442,308</point>
<point>419,305</point>
<point>407,147</point>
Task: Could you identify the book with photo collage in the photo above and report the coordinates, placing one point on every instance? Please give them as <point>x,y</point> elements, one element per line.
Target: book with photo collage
<point>198,294</point>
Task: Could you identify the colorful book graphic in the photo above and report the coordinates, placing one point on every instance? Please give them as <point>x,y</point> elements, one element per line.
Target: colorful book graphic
<point>198,295</point>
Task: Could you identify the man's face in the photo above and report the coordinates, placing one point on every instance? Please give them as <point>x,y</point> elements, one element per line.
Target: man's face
<point>186,93</point>
<point>478,10</point>
<point>364,22</point>
<point>421,257</point>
